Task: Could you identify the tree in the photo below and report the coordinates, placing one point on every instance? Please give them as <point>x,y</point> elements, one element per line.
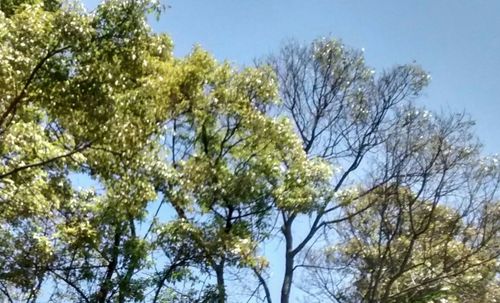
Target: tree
<point>99,95</point>
<point>72,103</point>
<point>367,127</point>
<point>229,162</point>
<point>192,162</point>
<point>405,250</point>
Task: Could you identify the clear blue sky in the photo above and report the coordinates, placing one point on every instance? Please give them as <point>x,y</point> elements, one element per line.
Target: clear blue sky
<point>457,41</point>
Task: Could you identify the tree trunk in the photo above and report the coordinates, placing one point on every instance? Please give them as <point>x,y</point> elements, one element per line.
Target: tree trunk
<point>221,290</point>
<point>106,283</point>
<point>288,278</point>
<point>286,287</point>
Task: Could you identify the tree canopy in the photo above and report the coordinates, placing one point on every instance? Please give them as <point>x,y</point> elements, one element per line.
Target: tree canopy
<point>196,167</point>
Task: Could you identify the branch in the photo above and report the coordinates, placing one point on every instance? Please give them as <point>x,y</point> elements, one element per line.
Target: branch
<point>12,106</point>
<point>73,285</point>
<point>263,282</point>
<point>44,162</point>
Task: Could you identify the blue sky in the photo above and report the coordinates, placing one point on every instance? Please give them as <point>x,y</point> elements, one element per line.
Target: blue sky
<point>457,41</point>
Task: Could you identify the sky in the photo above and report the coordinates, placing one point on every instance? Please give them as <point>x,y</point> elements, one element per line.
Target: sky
<point>457,41</point>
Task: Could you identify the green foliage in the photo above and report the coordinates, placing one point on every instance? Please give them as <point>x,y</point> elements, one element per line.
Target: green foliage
<point>405,250</point>
<point>99,95</point>
<point>73,102</point>
<point>191,163</point>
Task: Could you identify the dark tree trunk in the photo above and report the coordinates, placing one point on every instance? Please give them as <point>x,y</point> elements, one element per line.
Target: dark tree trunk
<point>221,289</point>
<point>286,287</point>
<point>288,278</point>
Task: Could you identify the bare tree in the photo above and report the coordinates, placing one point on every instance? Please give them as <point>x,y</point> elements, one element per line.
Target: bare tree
<point>432,233</point>
<point>366,127</point>
<point>412,248</point>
